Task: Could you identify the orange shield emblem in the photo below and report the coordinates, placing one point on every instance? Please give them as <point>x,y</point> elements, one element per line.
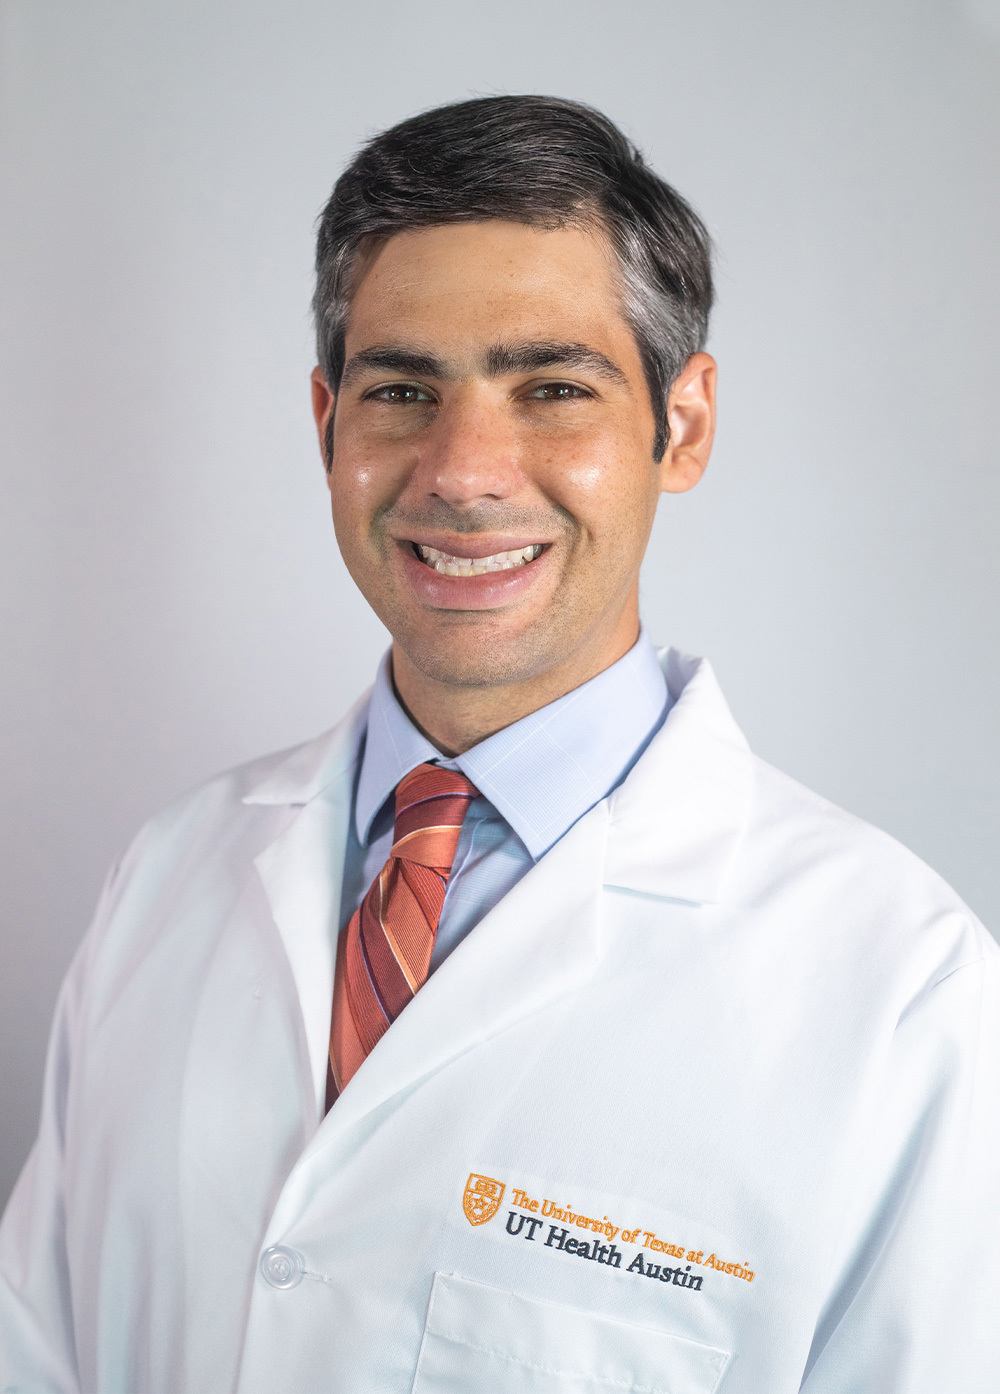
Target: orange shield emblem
<point>482,1199</point>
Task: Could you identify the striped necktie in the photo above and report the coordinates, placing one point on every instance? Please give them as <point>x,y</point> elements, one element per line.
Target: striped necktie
<point>384,954</point>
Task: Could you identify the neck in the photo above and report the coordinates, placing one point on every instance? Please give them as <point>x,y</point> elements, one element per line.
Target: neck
<point>454,717</point>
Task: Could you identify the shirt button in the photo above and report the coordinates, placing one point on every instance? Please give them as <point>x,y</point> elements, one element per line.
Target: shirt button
<point>282,1267</point>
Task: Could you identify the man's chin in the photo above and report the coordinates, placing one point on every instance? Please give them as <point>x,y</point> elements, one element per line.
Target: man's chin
<point>479,657</point>
<point>490,668</point>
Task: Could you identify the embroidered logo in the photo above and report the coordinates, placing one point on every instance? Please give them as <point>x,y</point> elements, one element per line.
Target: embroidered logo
<point>550,1223</point>
<point>482,1198</point>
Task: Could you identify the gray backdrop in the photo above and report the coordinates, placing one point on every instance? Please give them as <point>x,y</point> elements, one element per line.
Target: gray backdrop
<point>171,599</point>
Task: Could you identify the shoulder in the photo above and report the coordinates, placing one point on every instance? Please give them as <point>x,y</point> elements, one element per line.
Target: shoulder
<point>855,882</point>
<point>215,830</point>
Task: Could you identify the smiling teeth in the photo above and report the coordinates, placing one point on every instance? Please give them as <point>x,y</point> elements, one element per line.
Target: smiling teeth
<point>477,566</point>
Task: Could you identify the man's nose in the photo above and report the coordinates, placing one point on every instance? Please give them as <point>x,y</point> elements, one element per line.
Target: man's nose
<point>471,451</point>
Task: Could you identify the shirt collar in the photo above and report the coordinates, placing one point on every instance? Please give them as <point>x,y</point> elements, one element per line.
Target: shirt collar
<point>543,772</point>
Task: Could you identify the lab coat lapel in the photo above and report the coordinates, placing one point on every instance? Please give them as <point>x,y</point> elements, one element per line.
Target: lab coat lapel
<point>539,944</point>
<point>302,870</point>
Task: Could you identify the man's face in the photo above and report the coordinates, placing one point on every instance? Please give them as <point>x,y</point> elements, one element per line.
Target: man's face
<point>492,476</point>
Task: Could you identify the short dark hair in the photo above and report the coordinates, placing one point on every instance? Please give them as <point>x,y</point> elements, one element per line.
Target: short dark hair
<point>543,161</point>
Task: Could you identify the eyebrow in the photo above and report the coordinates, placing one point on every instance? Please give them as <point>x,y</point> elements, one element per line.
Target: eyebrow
<point>534,354</point>
<point>499,361</point>
<point>393,359</point>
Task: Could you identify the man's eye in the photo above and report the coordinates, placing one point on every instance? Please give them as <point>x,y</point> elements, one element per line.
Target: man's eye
<point>557,392</point>
<point>399,392</point>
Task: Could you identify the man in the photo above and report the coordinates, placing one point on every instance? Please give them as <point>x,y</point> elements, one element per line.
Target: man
<point>524,1032</point>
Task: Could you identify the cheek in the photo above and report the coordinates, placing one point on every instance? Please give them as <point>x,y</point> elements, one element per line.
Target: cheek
<point>359,481</point>
<point>359,485</point>
<point>609,493</point>
<point>586,479</point>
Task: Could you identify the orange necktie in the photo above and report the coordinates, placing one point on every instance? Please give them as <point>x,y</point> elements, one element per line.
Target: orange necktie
<point>385,952</point>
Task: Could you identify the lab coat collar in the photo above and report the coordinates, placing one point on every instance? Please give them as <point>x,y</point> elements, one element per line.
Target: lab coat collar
<point>302,773</point>
<point>677,821</point>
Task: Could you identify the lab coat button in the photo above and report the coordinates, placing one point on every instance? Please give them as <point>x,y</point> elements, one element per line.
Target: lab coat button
<point>282,1267</point>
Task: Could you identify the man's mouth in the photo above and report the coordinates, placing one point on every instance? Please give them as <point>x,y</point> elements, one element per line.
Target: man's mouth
<point>447,565</point>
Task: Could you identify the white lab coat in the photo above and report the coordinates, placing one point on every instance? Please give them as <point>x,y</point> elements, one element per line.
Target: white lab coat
<point>721,1032</point>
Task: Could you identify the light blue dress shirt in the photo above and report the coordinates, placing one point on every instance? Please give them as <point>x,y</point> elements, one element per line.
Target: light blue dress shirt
<point>535,778</point>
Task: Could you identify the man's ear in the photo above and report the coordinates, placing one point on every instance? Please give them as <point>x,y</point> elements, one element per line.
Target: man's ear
<point>323,403</point>
<point>691,419</point>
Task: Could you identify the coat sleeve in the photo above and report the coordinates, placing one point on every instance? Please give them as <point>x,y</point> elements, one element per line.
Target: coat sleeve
<point>37,1346</point>
<point>914,1307</point>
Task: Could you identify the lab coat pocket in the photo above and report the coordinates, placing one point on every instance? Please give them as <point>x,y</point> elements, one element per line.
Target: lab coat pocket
<point>480,1338</point>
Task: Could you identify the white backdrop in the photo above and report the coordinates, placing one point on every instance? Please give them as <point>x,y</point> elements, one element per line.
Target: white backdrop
<point>171,600</point>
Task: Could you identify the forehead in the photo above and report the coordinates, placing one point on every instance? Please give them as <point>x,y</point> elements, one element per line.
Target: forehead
<point>470,282</point>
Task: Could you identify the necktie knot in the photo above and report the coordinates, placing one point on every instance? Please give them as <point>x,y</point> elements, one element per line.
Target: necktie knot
<point>431,804</point>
